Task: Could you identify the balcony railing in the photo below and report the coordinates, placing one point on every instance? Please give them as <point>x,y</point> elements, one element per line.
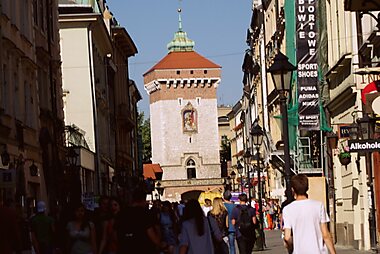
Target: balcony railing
<point>80,3</point>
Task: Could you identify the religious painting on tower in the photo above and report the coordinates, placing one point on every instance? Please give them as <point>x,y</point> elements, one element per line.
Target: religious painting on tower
<point>189,119</point>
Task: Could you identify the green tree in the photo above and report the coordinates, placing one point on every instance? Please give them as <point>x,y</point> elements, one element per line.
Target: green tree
<point>144,132</point>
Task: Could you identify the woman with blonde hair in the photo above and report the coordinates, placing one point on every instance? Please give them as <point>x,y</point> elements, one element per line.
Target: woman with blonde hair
<point>218,219</point>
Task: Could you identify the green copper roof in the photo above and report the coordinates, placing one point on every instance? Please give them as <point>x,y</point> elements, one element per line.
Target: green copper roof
<point>180,43</point>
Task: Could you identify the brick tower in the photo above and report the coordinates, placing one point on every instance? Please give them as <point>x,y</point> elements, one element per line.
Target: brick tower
<point>184,122</point>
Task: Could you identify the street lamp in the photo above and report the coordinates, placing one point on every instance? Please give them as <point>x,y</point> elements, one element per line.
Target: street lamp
<point>240,171</point>
<point>247,159</point>
<point>366,128</point>
<point>160,190</point>
<point>76,190</point>
<point>233,176</point>
<point>281,71</point>
<point>227,182</point>
<point>5,158</point>
<point>257,137</point>
<point>33,169</point>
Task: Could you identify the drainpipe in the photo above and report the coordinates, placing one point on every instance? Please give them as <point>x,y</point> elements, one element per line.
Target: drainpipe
<point>94,108</point>
<point>51,193</point>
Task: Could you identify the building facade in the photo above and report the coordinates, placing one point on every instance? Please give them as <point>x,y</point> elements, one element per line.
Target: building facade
<point>183,116</point>
<point>31,115</point>
<point>336,95</point>
<point>100,99</point>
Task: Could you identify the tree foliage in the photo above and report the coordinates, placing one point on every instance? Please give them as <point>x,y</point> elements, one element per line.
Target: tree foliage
<point>144,132</point>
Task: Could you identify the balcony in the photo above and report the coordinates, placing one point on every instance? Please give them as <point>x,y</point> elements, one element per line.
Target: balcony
<point>78,6</point>
<point>77,2</point>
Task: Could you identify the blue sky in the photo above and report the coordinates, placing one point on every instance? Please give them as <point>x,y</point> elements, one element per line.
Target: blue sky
<point>218,28</point>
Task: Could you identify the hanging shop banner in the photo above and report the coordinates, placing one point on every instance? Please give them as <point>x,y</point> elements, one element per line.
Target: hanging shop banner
<point>364,145</point>
<point>307,62</point>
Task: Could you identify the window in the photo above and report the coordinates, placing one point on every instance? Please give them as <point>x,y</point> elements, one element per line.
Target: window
<point>191,170</point>
<point>44,90</point>
<point>4,91</point>
<point>180,100</point>
<point>14,12</point>
<point>205,72</point>
<point>178,72</point>
<point>41,14</point>
<point>5,6</point>
<point>23,19</point>
<point>191,72</point>
<point>35,8</point>
<point>198,99</point>
<point>17,98</point>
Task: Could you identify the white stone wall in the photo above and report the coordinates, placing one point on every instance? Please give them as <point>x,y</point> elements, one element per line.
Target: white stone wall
<point>76,81</point>
<point>171,148</point>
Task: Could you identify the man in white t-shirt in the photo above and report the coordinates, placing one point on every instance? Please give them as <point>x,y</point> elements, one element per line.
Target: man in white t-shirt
<point>305,222</point>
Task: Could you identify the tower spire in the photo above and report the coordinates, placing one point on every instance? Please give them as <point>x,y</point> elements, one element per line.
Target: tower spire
<point>180,43</point>
<point>179,19</point>
<point>179,10</point>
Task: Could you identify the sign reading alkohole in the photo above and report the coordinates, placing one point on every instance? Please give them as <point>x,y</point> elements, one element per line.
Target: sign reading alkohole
<point>364,145</point>
<point>307,62</point>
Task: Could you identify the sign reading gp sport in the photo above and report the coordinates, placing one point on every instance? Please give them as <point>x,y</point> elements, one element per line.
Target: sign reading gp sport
<point>364,145</point>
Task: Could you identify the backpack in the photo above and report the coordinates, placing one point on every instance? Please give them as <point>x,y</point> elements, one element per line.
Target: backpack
<point>246,226</point>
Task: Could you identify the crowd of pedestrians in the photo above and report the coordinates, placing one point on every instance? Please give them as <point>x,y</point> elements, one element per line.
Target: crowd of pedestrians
<point>219,226</point>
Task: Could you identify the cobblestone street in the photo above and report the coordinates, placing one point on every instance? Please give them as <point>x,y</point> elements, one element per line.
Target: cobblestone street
<point>275,245</point>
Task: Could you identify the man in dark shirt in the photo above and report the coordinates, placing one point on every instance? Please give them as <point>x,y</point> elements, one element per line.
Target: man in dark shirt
<point>135,227</point>
<point>245,240</point>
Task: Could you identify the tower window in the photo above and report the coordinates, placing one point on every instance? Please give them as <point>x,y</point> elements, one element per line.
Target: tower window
<point>180,101</point>
<point>191,170</point>
<point>178,72</point>
<point>191,72</point>
<point>198,99</point>
<point>205,72</point>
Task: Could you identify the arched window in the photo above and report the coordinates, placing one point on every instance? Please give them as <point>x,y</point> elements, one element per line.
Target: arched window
<point>190,167</point>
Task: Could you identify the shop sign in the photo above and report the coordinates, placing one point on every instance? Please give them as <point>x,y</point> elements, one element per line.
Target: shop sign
<point>307,62</point>
<point>344,131</point>
<point>88,200</point>
<point>364,145</point>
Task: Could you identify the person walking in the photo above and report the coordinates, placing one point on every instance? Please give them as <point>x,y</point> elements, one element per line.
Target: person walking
<point>169,226</point>
<point>305,222</point>
<point>244,220</point>
<point>231,228</point>
<point>218,219</point>
<point>100,216</point>
<point>109,244</point>
<point>195,234</point>
<point>81,232</point>
<point>42,230</point>
<point>136,227</point>
<point>10,235</point>
<point>207,206</point>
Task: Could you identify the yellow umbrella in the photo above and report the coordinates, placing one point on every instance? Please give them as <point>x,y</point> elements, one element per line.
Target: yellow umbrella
<point>208,195</point>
